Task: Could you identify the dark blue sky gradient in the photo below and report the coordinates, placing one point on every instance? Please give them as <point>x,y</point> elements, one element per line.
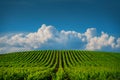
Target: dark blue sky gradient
<point>78,15</point>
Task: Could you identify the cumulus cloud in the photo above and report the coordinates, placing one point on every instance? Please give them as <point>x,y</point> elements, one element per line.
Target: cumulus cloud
<point>90,32</point>
<point>97,43</point>
<point>48,37</point>
<point>118,43</point>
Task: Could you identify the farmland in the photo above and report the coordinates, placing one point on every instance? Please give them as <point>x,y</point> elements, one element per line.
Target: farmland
<point>60,65</point>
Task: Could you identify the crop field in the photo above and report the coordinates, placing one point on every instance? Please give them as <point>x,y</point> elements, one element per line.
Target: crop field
<point>60,65</point>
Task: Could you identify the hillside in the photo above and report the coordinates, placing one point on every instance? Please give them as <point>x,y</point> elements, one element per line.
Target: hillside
<point>60,65</point>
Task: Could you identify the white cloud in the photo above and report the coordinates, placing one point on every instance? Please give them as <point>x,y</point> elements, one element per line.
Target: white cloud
<point>90,32</point>
<point>97,43</point>
<point>48,37</point>
<point>118,43</point>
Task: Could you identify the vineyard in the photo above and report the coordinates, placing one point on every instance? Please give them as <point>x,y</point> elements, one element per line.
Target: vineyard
<point>60,65</point>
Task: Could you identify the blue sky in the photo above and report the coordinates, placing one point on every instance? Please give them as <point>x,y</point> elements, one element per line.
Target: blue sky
<point>28,15</point>
<point>21,16</point>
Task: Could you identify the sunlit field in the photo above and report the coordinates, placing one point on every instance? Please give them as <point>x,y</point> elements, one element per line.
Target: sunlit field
<point>60,65</point>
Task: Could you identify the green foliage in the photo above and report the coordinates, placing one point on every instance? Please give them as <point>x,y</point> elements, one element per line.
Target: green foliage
<point>60,65</point>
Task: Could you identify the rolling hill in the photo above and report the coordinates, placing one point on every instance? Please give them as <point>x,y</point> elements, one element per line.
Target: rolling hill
<point>60,65</point>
